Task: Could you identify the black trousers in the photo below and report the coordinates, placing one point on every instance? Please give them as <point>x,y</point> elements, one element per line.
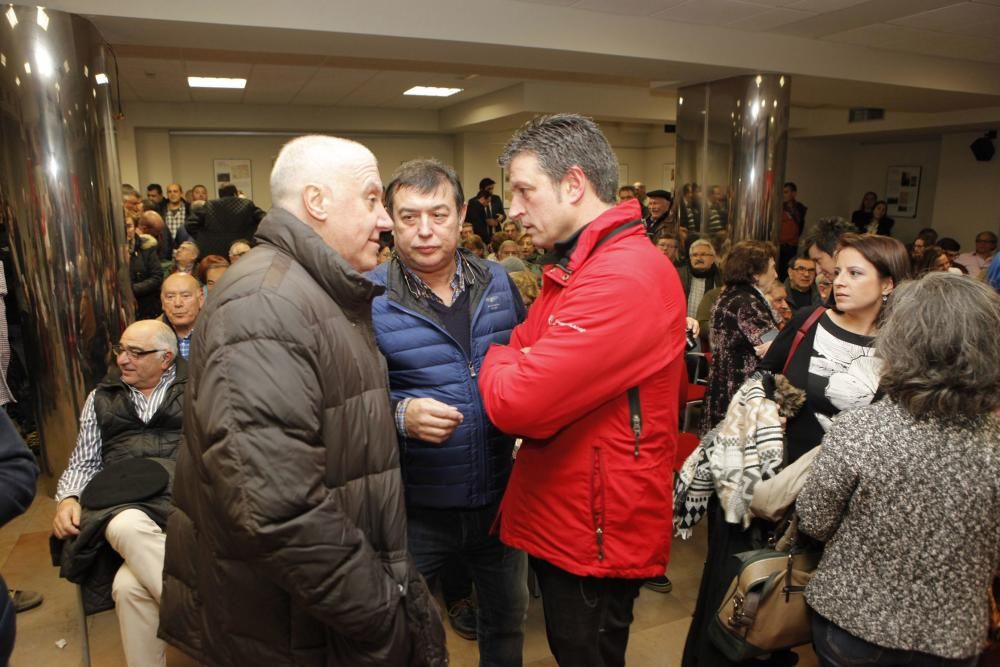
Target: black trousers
<point>586,618</point>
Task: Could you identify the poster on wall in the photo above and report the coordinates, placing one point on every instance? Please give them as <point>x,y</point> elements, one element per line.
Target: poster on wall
<point>902,187</point>
<point>236,172</point>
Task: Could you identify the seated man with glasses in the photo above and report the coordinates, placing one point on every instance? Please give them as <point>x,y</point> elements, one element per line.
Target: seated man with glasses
<point>801,284</point>
<point>114,494</point>
<point>182,298</point>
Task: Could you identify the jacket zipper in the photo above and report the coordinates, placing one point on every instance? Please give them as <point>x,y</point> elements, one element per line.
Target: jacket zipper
<point>597,501</point>
<point>635,414</point>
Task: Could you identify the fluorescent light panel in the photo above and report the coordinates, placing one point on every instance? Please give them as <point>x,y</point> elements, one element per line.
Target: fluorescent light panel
<point>216,82</point>
<point>432,91</point>
<point>101,79</point>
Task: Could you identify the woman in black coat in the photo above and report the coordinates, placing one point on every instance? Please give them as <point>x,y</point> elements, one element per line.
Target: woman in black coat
<point>145,272</point>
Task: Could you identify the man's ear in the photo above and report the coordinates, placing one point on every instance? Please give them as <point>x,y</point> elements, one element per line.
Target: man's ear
<point>313,200</point>
<point>574,184</point>
<point>166,360</point>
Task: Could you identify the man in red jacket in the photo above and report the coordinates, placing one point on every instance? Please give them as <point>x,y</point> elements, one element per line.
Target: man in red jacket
<point>590,381</point>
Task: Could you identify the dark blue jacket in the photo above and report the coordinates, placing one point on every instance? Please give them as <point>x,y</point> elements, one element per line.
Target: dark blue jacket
<point>471,468</point>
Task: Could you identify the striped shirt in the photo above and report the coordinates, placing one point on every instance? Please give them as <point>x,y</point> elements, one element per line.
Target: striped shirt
<point>86,461</point>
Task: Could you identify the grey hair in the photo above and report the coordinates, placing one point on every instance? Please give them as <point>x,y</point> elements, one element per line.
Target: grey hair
<point>698,242</point>
<point>825,235</point>
<point>561,141</point>
<point>425,176</point>
<point>940,347</point>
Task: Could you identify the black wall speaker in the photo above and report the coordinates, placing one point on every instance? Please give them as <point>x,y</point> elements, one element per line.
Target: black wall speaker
<point>982,148</point>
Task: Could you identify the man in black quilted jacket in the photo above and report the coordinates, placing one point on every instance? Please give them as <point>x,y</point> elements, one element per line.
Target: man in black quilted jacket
<point>215,225</point>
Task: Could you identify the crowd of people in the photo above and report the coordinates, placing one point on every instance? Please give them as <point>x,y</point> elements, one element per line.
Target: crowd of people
<point>323,412</point>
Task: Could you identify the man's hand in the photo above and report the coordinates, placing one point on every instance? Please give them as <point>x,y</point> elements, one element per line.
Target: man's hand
<point>67,519</point>
<point>430,420</point>
<point>692,326</point>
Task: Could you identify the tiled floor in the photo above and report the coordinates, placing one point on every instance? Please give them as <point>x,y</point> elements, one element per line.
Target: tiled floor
<point>657,637</point>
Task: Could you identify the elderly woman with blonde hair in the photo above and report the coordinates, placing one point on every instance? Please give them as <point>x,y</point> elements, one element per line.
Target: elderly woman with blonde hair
<point>906,491</point>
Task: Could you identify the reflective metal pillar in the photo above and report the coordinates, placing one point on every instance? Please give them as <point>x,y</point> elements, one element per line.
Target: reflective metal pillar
<point>60,203</point>
<point>731,142</point>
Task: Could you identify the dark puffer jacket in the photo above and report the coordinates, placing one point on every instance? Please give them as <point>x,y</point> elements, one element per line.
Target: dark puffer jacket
<point>287,545</point>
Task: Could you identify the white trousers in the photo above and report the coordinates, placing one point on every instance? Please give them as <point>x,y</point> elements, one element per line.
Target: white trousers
<point>138,585</point>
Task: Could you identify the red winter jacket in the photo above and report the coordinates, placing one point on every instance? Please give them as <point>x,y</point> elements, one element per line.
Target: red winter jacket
<point>579,497</point>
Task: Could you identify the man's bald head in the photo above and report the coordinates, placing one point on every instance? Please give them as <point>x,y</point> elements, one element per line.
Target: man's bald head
<point>145,351</point>
<point>333,186</point>
<point>180,281</point>
<point>153,334</point>
<point>151,223</point>
<point>313,159</point>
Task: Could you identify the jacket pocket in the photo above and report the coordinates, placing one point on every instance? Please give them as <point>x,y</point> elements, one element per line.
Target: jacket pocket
<point>598,485</point>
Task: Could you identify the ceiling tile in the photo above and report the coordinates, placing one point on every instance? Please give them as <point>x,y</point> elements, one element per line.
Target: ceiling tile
<point>965,18</point>
<point>227,69</point>
<point>329,85</point>
<point>823,6</point>
<point>712,12</point>
<point>276,84</point>
<point>628,7</point>
<point>902,38</point>
<point>216,95</point>
<point>769,19</point>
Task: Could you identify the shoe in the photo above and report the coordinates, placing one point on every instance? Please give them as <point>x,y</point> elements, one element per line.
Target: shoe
<point>24,600</point>
<point>659,584</point>
<point>463,617</point>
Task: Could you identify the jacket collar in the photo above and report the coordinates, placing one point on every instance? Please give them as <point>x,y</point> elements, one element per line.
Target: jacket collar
<point>581,245</point>
<point>351,290</point>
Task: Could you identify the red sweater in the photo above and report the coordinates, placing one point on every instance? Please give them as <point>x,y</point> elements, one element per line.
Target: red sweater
<point>579,497</point>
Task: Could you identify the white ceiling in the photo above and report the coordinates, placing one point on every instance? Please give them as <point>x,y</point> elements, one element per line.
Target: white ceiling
<point>147,79</point>
<point>948,28</point>
<point>840,53</point>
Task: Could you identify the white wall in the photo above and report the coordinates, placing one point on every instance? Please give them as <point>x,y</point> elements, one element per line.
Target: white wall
<point>871,162</point>
<point>833,174</point>
<point>967,200</point>
<point>188,159</point>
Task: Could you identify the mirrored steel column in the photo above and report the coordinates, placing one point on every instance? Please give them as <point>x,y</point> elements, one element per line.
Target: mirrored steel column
<point>731,142</point>
<point>61,206</point>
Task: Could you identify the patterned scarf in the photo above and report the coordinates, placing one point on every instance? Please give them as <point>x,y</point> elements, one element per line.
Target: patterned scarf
<point>746,447</point>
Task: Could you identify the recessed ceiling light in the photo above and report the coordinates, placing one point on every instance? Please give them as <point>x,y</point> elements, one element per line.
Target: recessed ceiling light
<point>41,18</point>
<point>11,17</point>
<point>101,79</point>
<point>215,82</point>
<point>431,91</point>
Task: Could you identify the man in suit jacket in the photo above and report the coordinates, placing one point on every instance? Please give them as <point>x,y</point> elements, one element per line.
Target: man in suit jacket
<point>485,211</point>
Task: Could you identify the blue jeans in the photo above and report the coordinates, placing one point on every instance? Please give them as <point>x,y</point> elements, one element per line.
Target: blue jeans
<point>498,572</point>
<point>836,647</point>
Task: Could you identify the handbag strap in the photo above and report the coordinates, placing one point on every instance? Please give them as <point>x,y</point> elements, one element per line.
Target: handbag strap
<point>801,334</point>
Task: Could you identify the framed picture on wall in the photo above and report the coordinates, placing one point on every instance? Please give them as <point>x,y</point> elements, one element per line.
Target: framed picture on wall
<point>902,189</point>
<point>236,172</point>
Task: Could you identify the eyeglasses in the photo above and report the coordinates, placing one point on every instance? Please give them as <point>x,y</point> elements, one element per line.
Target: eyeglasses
<point>802,268</point>
<point>133,353</point>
